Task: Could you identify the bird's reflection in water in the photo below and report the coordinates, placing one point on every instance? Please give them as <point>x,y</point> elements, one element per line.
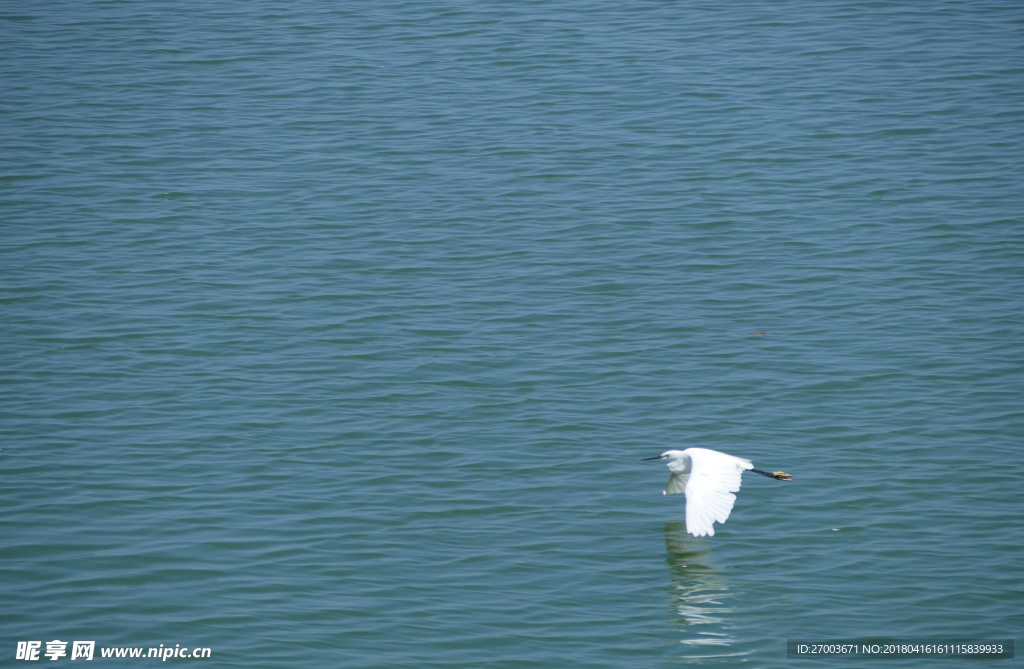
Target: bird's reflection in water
<point>700,596</point>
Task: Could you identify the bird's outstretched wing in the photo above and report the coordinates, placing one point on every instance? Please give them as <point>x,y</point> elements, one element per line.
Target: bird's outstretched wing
<point>676,483</point>
<point>713,479</point>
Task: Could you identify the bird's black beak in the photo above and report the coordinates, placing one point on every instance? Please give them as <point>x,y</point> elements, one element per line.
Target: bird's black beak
<point>656,457</point>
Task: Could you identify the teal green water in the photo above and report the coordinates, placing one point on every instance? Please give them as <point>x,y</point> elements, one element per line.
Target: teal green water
<point>333,333</point>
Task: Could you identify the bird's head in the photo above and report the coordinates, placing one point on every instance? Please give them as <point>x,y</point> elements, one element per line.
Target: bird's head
<point>666,455</point>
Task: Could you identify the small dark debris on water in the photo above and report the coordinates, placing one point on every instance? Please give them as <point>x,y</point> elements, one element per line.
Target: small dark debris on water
<point>760,332</point>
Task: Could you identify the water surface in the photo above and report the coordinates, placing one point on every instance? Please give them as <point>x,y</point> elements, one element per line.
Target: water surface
<point>334,334</point>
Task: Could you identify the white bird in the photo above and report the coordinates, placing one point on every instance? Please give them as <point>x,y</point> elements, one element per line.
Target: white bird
<point>709,479</point>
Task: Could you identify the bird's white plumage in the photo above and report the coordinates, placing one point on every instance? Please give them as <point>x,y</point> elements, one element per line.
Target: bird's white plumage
<point>709,479</point>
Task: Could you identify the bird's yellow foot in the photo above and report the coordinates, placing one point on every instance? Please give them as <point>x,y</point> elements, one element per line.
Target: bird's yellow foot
<point>782,476</point>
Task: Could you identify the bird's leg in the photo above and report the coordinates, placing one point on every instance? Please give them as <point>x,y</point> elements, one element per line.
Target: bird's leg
<point>782,476</point>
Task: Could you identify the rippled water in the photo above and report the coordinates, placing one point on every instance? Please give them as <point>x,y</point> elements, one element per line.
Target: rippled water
<point>333,333</point>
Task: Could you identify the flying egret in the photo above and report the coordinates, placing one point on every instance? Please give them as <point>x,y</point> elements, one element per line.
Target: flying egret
<point>709,479</point>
